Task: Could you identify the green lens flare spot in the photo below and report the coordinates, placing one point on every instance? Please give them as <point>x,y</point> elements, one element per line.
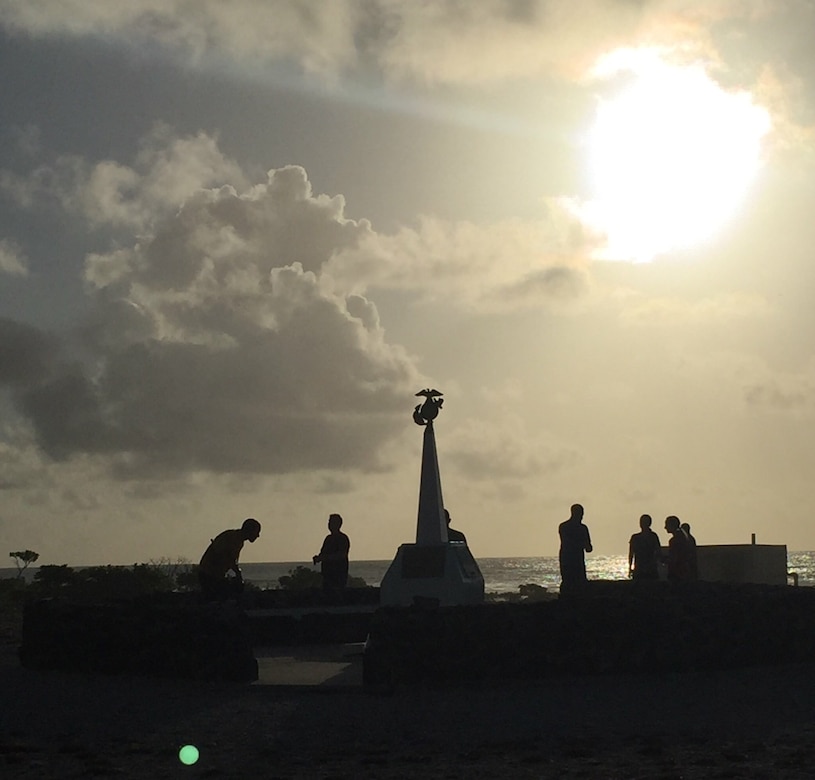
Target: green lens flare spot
<point>188,755</point>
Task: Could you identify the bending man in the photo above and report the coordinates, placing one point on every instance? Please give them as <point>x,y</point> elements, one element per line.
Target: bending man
<point>221,557</point>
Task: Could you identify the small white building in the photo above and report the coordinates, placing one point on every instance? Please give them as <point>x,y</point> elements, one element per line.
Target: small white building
<point>764,564</point>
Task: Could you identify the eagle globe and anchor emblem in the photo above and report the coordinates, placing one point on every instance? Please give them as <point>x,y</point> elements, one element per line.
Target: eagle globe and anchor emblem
<point>428,411</point>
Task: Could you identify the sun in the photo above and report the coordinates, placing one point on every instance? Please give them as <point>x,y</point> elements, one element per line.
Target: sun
<point>671,155</point>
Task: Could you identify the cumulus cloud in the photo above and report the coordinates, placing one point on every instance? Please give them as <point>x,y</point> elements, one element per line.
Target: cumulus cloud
<point>166,171</point>
<point>12,259</point>
<point>214,345</point>
<point>233,326</point>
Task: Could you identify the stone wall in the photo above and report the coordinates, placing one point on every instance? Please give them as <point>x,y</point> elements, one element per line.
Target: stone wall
<point>319,627</point>
<point>280,598</point>
<point>155,636</point>
<point>610,627</point>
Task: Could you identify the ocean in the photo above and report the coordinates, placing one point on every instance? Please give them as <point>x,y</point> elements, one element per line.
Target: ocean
<point>501,575</point>
<point>506,575</point>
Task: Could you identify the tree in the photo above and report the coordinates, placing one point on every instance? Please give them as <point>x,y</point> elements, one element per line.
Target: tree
<point>23,559</point>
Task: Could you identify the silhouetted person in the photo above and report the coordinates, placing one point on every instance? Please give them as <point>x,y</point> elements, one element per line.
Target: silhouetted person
<point>694,568</point>
<point>678,551</point>
<point>644,552</point>
<point>221,557</point>
<point>574,542</point>
<point>333,558</point>
<point>452,534</point>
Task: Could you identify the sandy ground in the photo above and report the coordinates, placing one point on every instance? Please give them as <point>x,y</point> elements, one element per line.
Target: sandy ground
<point>750,723</point>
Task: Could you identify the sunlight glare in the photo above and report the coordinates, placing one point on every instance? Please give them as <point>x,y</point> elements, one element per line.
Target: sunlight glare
<point>671,156</point>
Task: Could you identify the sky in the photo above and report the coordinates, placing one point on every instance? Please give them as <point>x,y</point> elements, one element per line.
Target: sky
<point>237,238</point>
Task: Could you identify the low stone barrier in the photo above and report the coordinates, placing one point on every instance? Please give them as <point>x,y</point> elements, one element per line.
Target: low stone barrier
<point>607,627</point>
<point>161,637</point>
<point>274,598</point>
<point>320,627</point>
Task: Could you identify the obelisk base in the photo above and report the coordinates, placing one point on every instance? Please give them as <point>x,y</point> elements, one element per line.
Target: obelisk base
<point>444,574</point>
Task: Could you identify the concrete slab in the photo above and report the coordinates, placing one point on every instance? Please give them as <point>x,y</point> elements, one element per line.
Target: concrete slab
<point>312,666</point>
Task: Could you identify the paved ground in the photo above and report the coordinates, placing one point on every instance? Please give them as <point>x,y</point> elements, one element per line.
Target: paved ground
<point>748,723</point>
<point>327,666</point>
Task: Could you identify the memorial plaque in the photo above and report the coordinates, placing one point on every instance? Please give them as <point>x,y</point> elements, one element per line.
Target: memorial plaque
<point>423,562</point>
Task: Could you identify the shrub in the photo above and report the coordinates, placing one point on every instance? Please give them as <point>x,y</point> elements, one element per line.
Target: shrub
<point>300,578</point>
<point>303,578</point>
<point>100,583</point>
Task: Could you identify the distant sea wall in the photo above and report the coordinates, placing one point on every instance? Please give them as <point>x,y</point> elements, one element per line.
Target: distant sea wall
<point>608,627</point>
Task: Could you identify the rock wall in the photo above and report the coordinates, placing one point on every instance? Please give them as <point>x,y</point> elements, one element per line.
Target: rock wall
<point>313,628</point>
<point>608,627</point>
<point>274,598</point>
<point>142,636</point>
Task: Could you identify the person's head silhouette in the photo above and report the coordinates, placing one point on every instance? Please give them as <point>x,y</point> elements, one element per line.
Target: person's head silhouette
<point>672,524</point>
<point>250,529</point>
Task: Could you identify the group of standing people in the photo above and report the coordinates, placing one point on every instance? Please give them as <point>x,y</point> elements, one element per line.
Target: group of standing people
<point>645,553</point>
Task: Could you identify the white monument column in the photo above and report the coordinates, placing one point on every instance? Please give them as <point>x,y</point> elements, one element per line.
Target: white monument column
<point>433,570</point>
<point>431,526</point>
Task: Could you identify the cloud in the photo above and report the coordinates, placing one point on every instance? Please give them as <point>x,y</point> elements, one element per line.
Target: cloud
<point>233,326</point>
<point>447,41</point>
<point>486,451</point>
<point>12,259</point>
<point>783,392</point>
<point>496,40</point>
<point>21,466</point>
<point>213,343</point>
<point>491,267</point>
<point>166,171</point>
<point>319,36</point>
<point>26,353</point>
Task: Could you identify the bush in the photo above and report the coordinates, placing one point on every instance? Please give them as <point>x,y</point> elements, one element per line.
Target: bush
<point>102,583</point>
<point>52,581</point>
<point>303,578</point>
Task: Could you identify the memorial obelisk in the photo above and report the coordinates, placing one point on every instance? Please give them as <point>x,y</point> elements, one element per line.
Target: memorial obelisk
<point>431,524</point>
<point>433,570</point>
